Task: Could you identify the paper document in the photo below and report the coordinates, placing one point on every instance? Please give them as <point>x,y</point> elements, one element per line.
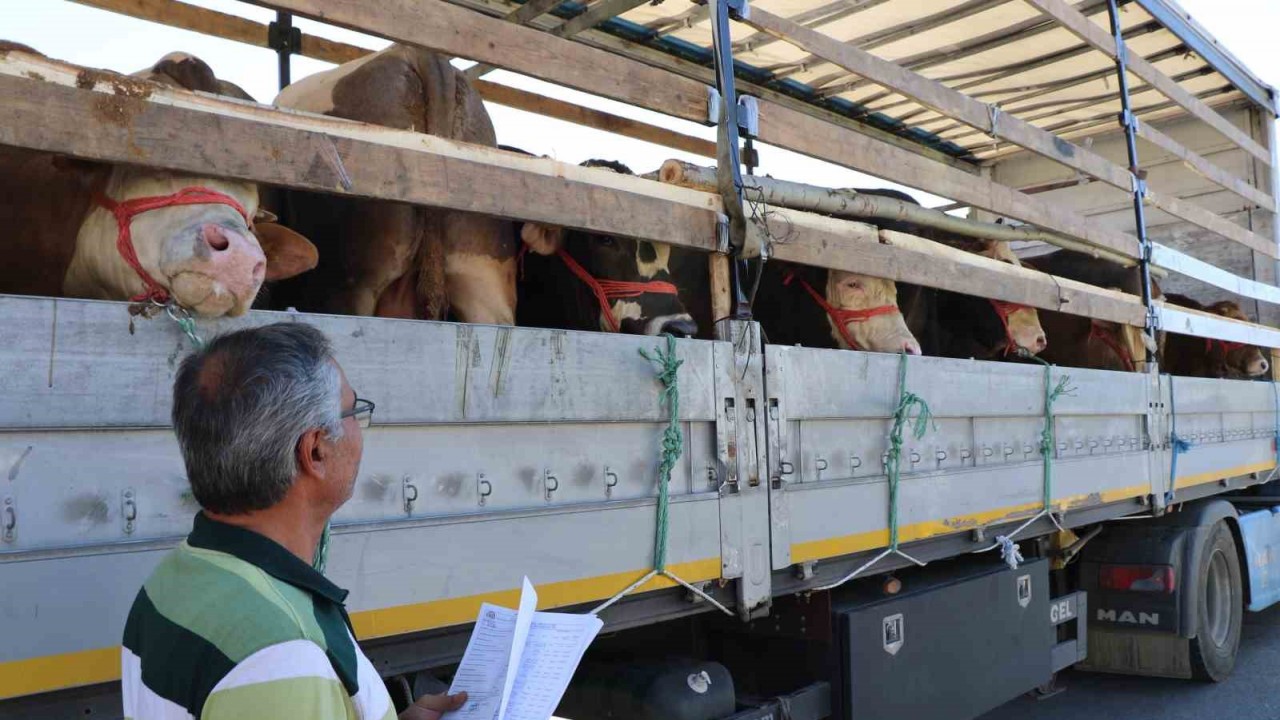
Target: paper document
<point>518,663</point>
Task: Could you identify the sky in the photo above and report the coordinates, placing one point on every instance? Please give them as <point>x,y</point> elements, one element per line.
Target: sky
<point>1249,29</point>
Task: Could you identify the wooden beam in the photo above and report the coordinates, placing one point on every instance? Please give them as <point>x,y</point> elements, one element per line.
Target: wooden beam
<point>588,117</point>
<point>1189,211</point>
<point>988,119</point>
<point>459,32</point>
<point>594,15</point>
<point>804,134</point>
<point>1206,168</point>
<point>721,287</point>
<point>524,14</point>
<point>1086,30</point>
<point>232,27</point>
<point>124,120</point>
<point>860,248</point>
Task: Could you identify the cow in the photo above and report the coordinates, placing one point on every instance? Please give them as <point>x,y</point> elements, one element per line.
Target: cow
<point>581,280</point>
<point>93,230</point>
<point>1079,341</point>
<point>1202,357</point>
<point>391,259</point>
<point>815,307</point>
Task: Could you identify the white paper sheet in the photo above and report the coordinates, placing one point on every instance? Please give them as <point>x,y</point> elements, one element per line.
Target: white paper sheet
<point>518,664</point>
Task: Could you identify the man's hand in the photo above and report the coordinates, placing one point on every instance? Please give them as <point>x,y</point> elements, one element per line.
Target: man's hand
<point>433,707</point>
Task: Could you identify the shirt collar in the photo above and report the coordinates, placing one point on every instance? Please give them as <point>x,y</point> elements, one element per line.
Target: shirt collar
<point>263,553</point>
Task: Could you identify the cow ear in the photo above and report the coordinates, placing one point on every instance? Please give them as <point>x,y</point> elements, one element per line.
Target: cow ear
<point>542,239</point>
<point>288,253</point>
<point>263,215</point>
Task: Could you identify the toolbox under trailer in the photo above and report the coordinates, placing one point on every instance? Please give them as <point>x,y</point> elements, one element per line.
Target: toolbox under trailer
<point>503,452</point>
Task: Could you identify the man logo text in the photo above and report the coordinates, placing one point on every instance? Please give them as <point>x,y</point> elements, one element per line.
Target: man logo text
<point>1129,618</point>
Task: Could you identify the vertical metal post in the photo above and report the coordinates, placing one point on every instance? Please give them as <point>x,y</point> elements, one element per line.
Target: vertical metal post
<point>286,40</point>
<point>728,164</point>
<point>1130,124</point>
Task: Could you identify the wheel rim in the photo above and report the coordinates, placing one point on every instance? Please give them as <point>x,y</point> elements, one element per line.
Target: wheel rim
<point>1218,599</point>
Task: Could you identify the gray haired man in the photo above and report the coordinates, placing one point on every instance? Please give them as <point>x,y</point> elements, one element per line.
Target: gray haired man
<point>237,622</point>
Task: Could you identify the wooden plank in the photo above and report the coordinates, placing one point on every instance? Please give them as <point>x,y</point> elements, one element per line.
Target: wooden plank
<point>1191,212</point>
<point>1082,27</point>
<point>986,118</point>
<point>530,10</point>
<point>143,123</point>
<point>594,15</point>
<point>1180,262</point>
<point>1205,168</point>
<point>588,117</point>
<point>459,32</point>
<point>796,131</point>
<point>232,27</point>
<point>940,98</point>
<point>1186,321</point>
<point>861,248</point>
<point>721,287</point>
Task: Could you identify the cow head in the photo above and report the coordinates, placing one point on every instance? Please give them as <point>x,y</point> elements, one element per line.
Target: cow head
<point>861,312</point>
<point>1000,327</point>
<point>199,241</point>
<point>628,283</point>
<point>1231,359</point>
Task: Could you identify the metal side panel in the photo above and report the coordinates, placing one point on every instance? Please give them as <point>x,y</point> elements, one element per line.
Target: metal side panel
<point>979,464</point>
<point>1230,426</point>
<point>1260,531</point>
<point>744,470</point>
<point>502,452</point>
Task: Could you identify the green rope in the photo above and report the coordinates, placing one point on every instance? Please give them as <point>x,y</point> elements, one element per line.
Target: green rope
<point>672,442</point>
<point>322,551</point>
<point>907,401</point>
<point>1048,440</point>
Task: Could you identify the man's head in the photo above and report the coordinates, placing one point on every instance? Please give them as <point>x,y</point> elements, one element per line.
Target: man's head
<point>264,413</point>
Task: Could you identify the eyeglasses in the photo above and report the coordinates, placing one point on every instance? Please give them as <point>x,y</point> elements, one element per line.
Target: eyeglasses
<point>362,411</point>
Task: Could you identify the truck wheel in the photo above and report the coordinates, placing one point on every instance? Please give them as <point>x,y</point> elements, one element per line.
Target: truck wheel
<point>1213,649</point>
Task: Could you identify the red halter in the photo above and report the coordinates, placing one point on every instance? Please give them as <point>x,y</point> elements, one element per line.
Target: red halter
<point>125,212</point>
<point>840,317</point>
<point>1226,345</point>
<point>1003,311</point>
<point>1118,348</point>
<point>606,290</point>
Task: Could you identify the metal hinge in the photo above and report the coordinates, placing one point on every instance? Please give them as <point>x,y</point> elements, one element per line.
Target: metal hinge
<point>749,115</point>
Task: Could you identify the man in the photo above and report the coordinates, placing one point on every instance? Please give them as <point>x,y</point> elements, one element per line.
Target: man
<point>236,622</point>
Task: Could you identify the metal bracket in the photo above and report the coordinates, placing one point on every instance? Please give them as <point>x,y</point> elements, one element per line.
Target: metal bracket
<point>128,510</point>
<point>550,482</point>
<point>749,115</point>
<point>9,520</point>
<point>286,40</point>
<point>410,494</point>
<point>610,481</point>
<point>713,105</point>
<point>484,488</point>
<point>739,9</point>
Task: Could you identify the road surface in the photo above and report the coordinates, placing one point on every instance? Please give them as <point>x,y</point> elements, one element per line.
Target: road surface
<point>1251,693</point>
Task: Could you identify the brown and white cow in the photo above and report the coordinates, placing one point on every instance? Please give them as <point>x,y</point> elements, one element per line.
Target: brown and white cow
<point>1202,357</point>
<point>578,280</point>
<point>93,230</point>
<point>1078,341</point>
<point>815,307</point>
<point>391,259</point>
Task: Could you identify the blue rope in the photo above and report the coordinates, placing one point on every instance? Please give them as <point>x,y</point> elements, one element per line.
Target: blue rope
<point>1177,444</point>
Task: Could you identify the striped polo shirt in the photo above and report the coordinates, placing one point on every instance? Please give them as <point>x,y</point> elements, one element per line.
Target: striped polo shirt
<point>233,625</point>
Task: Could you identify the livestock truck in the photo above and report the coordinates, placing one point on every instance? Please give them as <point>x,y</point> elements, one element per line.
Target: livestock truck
<point>822,557</point>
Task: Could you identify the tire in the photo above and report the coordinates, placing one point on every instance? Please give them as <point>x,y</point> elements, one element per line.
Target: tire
<point>1220,594</point>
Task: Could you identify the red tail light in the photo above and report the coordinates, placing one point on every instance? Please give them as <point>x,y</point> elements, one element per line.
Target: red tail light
<point>1136,578</point>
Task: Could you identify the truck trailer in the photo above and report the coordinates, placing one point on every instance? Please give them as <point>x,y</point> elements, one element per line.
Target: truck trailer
<point>843,534</point>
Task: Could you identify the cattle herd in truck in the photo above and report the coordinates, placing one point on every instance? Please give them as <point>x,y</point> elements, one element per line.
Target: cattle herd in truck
<point>219,247</point>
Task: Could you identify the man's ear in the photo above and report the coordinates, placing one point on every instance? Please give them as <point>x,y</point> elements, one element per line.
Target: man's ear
<point>312,452</point>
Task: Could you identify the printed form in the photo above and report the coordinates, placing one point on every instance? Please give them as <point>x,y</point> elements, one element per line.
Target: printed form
<point>518,663</point>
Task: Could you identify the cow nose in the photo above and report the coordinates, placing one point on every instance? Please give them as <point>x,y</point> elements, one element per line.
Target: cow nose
<point>1039,344</point>
<point>215,236</point>
<point>1263,367</point>
<point>911,347</point>
<point>679,327</point>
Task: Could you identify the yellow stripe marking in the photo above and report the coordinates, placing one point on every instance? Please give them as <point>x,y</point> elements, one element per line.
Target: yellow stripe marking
<point>870,540</point>
<point>88,667</point>
<point>1186,481</point>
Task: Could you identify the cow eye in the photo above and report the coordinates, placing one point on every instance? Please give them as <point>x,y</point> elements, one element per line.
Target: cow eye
<point>853,284</point>
<point>606,240</point>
